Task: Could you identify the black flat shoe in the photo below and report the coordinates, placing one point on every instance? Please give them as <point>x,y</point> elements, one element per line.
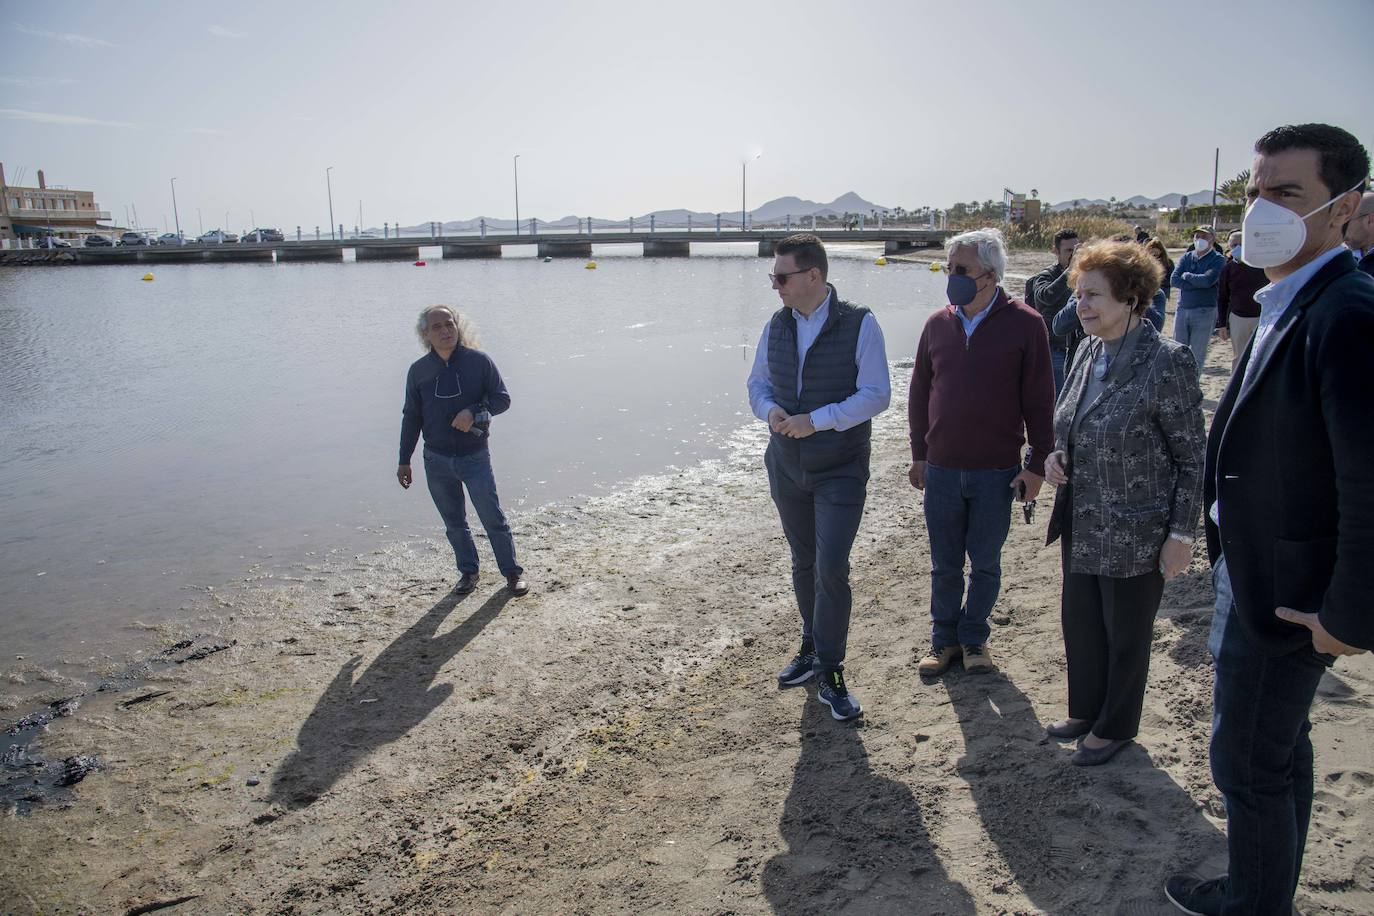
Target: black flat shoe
<point>466,584</point>
<point>1096,756</point>
<point>1068,729</point>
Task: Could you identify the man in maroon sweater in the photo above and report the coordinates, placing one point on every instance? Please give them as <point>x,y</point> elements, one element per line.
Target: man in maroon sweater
<point>983,381</point>
<point>1237,311</point>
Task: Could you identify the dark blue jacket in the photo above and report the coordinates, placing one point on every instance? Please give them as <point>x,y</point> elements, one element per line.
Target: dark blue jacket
<point>1288,456</point>
<point>436,391</point>
<point>1197,279</point>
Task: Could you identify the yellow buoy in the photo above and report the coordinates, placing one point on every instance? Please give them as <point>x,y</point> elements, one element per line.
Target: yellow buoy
<point>148,277</point>
<point>591,265</point>
<point>935,267</point>
<point>881,262</point>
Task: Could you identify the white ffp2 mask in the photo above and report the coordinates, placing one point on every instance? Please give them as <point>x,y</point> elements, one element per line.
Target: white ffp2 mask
<point>1272,235</point>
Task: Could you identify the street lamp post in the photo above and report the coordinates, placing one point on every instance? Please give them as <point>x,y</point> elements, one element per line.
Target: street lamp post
<point>743,186</point>
<point>175,215</point>
<point>515,163</point>
<point>330,189</point>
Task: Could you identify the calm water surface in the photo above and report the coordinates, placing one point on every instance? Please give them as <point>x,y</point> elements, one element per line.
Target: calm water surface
<point>159,437</point>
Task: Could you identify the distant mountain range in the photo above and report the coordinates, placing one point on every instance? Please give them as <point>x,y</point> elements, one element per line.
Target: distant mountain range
<point>772,211</point>
<point>1170,201</point>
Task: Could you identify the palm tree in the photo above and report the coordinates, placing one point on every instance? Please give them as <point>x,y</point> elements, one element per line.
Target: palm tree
<point>1233,189</point>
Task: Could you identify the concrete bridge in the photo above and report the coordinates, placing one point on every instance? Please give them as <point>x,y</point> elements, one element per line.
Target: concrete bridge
<point>656,244</point>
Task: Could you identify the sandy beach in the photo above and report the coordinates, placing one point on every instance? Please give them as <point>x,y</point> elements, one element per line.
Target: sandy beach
<point>614,742</point>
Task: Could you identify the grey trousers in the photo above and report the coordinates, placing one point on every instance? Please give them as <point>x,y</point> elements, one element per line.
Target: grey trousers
<point>820,516</point>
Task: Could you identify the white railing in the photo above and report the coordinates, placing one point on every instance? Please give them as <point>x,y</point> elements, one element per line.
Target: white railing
<point>39,214</point>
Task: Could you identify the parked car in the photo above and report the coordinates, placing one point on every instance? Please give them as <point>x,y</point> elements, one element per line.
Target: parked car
<point>132,240</point>
<point>169,238</point>
<point>217,237</point>
<point>264,235</point>
<point>53,241</point>
<point>98,241</point>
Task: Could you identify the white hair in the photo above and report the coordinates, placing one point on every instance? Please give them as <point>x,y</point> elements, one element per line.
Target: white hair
<point>467,333</point>
<point>987,244</point>
<point>1235,236</point>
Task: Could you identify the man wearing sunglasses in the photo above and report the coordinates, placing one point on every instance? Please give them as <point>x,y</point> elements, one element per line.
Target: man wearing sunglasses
<point>819,377</point>
<point>982,384</point>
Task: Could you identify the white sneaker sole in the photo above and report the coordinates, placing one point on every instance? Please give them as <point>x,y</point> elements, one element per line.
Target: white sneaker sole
<point>858,711</point>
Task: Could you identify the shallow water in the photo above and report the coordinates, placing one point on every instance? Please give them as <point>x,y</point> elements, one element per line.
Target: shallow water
<point>160,438</point>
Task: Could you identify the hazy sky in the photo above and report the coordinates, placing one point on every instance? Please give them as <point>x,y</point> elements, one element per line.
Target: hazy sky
<point>621,108</point>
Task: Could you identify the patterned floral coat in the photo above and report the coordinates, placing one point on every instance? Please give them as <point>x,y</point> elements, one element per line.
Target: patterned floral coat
<point>1135,469</point>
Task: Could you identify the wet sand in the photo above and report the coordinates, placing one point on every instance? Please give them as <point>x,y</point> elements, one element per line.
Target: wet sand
<point>615,741</point>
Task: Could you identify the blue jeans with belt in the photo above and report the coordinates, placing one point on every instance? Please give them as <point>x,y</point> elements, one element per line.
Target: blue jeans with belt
<point>1261,759</point>
<point>446,476</point>
<point>968,513</point>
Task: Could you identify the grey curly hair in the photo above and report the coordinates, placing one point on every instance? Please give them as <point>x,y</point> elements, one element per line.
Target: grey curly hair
<point>467,332</point>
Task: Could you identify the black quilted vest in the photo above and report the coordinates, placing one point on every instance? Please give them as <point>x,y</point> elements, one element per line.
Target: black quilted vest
<point>829,375</point>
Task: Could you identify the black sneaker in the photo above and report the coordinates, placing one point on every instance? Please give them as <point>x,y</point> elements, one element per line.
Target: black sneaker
<point>466,584</point>
<point>800,669</point>
<point>1195,896</point>
<point>832,692</point>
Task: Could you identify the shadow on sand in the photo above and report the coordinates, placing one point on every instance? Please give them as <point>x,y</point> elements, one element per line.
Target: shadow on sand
<point>856,840</point>
<point>1077,840</point>
<point>396,693</point>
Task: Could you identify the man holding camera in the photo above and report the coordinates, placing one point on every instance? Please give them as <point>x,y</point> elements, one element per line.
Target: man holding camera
<point>451,394</point>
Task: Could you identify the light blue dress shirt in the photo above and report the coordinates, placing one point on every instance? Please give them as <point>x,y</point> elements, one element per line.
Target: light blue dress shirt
<point>870,355</point>
<point>971,324</point>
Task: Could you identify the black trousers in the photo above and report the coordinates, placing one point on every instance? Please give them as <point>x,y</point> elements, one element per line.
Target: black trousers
<point>1108,627</point>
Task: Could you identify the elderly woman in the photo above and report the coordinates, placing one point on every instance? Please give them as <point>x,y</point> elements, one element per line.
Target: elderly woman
<point>1129,447</point>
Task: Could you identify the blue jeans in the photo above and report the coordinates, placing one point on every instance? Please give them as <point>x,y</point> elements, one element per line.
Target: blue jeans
<point>1261,759</point>
<point>968,513</point>
<point>1057,357</point>
<point>446,478</point>
<point>820,519</point>
<point>1194,327</point>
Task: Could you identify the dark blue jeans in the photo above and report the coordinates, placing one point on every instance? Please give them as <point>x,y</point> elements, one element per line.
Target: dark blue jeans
<point>446,477</point>
<point>968,513</point>
<point>1261,759</point>
<point>820,518</point>
<point>1057,359</point>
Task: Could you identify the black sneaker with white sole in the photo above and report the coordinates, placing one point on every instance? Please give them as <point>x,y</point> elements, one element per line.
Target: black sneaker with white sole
<point>832,692</point>
<point>800,669</point>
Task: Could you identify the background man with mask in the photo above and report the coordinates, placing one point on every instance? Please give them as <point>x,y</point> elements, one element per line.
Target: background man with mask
<point>1359,235</point>
<point>1196,276</point>
<point>1047,291</point>
<point>1237,310</point>
<point>819,377</point>
<point>1290,528</point>
<point>981,386</point>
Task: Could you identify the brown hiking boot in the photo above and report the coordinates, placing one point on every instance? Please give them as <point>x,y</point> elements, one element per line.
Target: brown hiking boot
<point>977,660</point>
<point>937,661</point>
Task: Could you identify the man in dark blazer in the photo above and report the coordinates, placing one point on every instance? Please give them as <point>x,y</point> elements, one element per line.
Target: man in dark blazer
<point>1290,501</point>
<point>1359,233</point>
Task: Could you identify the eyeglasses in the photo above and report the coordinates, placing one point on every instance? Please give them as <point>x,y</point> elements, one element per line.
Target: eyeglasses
<point>781,279</point>
<point>444,376</point>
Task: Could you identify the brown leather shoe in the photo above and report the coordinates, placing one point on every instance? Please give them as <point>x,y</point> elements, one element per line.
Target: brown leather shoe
<point>977,660</point>
<point>517,584</point>
<point>937,661</point>
<point>466,584</point>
